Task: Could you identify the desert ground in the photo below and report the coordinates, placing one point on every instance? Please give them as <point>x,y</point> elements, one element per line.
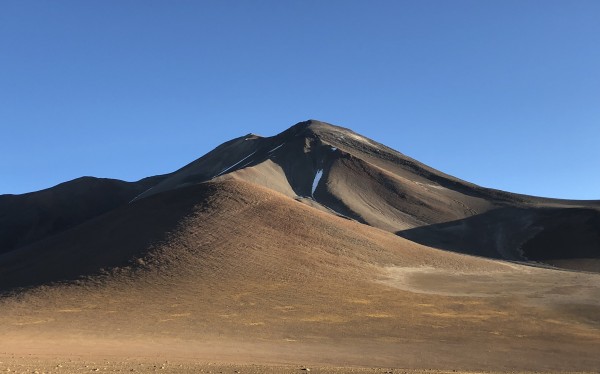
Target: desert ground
<point>117,364</point>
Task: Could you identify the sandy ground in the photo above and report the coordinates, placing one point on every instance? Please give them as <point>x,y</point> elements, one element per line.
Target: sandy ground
<point>57,365</point>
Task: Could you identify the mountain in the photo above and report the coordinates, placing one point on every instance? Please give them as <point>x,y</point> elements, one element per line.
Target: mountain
<point>341,172</point>
<point>315,245</point>
<point>30,217</point>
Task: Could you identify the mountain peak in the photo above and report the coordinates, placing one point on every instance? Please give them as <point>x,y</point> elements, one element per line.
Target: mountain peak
<point>312,122</point>
<point>298,153</point>
<point>343,173</point>
<point>311,125</point>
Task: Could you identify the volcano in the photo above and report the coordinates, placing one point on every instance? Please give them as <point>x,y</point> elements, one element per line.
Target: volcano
<point>316,245</point>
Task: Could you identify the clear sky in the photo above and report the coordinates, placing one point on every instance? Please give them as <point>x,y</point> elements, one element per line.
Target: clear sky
<point>505,94</point>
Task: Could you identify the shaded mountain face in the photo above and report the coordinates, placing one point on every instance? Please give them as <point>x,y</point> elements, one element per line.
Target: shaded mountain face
<point>27,218</point>
<point>326,167</point>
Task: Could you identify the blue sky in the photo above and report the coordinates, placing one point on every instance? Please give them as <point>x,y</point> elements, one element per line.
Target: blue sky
<point>505,94</point>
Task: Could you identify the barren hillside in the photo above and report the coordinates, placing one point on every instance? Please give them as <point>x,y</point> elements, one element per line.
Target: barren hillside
<point>295,250</point>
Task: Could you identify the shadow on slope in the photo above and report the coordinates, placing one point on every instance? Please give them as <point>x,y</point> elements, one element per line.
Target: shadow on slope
<point>111,240</point>
<point>535,234</point>
<point>359,189</point>
<point>27,218</point>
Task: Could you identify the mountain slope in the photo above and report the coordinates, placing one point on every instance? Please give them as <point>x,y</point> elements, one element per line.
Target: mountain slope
<point>248,274</point>
<point>30,217</point>
<point>341,172</point>
<point>337,170</point>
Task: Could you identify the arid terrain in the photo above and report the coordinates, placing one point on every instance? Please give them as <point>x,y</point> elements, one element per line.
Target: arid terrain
<point>316,248</point>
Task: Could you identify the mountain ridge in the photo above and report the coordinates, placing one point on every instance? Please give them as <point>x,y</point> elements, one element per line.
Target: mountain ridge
<point>336,170</point>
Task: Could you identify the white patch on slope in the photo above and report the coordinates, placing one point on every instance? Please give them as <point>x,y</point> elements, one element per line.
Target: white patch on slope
<point>135,198</point>
<point>234,165</point>
<point>246,164</point>
<point>333,149</point>
<point>316,181</point>
<point>276,148</point>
